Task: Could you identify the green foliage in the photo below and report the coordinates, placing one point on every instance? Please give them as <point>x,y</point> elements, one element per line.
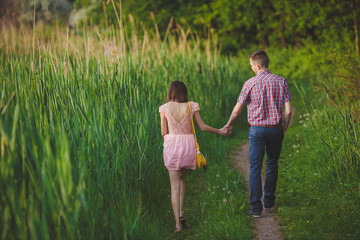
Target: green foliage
<point>240,24</point>
<point>318,190</point>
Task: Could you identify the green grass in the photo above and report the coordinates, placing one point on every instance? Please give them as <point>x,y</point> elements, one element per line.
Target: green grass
<point>318,191</point>
<point>82,152</point>
<point>81,149</point>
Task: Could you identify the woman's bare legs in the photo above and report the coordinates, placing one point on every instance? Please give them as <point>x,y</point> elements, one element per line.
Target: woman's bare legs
<point>175,194</point>
<point>182,188</point>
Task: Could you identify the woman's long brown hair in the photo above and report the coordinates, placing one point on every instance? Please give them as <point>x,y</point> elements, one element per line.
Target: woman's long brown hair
<point>177,92</point>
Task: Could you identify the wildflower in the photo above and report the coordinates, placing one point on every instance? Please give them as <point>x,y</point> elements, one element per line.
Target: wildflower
<point>229,192</point>
<point>290,155</point>
<point>297,151</point>
<point>212,193</point>
<point>223,189</point>
<point>234,182</point>
<point>294,146</point>
<point>217,175</point>
<point>224,200</point>
<point>335,138</point>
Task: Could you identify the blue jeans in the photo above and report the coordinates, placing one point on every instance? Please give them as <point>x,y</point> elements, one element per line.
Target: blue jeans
<point>263,139</point>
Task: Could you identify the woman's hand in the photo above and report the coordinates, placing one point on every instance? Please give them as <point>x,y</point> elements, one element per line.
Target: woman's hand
<point>224,131</point>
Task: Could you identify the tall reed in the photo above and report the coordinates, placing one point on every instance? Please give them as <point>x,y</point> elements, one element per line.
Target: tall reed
<point>81,149</point>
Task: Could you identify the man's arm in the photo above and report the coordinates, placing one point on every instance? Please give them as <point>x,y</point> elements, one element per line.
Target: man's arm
<point>235,113</point>
<point>287,113</point>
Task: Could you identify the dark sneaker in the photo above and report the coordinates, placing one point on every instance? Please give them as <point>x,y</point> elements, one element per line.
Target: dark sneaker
<point>269,210</point>
<point>255,214</point>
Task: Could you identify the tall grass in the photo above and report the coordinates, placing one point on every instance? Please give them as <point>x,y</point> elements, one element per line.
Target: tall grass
<point>320,166</point>
<point>81,152</point>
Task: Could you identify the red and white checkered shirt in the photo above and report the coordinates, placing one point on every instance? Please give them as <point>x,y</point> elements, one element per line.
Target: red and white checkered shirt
<point>265,95</point>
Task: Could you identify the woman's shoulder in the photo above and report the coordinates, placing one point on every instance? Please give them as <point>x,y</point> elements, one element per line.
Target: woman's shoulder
<point>163,107</point>
<point>194,106</point>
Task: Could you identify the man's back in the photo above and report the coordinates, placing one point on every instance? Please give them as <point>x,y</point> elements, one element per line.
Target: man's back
<point>265,95</point>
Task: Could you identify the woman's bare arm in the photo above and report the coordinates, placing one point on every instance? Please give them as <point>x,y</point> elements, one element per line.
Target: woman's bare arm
<point>204,127</point>
<point>163,124</point>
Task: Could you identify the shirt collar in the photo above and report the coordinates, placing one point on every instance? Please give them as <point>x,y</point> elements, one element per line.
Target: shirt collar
<point>263,72</point>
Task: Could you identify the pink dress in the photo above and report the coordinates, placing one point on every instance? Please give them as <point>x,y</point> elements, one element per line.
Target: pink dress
<point>179,145</point>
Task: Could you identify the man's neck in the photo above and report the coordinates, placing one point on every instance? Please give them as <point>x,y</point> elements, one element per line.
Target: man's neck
<point>261,70</point>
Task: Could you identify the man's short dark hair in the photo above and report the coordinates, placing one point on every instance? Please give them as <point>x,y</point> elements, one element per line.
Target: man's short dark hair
<point>260,57</point>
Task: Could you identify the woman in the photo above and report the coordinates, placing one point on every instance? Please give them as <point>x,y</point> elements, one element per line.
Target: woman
<point>179,145</point>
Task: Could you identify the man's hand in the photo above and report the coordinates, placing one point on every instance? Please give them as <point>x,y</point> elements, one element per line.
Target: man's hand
<point>228,128</point>
<point>224,132</point>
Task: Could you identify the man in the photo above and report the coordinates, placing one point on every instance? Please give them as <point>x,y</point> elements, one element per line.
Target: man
<point>265,94</point>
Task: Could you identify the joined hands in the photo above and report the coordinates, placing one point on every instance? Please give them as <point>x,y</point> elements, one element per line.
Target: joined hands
<point>226,130</point>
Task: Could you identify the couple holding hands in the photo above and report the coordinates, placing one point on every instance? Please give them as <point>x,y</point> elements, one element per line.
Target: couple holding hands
<point>269,111</point>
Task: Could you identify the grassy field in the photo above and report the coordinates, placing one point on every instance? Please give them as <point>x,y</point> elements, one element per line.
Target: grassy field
<point>81,149</point>
<point>81,153</point>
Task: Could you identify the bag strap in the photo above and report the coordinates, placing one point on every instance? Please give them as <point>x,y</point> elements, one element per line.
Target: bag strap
<point>193,128</point>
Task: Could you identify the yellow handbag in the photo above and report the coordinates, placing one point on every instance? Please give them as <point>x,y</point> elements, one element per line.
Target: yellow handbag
<point>200,159</point>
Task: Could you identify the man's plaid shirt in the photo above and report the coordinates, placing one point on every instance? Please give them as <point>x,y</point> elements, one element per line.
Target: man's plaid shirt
<point>265,95</point>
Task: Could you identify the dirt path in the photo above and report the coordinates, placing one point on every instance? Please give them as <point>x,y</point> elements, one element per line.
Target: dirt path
<point>266,226</point>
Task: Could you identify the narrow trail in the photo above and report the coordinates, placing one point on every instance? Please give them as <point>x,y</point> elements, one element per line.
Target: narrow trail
<point>266,226</point>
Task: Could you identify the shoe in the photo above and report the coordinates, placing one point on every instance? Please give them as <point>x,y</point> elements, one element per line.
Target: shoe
<point>255,214</point>
<point>269,210</point>
<point>182,218</point>
<point>178,229</point>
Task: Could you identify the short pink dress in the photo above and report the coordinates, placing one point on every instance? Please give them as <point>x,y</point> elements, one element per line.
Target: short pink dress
<point>179,145</point>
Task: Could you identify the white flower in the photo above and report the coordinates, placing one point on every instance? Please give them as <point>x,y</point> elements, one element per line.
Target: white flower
<point>229,192</point>
<point>294,146</point>
<point>290,155</point>
<point>297,151</point>
<point>212,193</point>
<point>224,200</point>
<point>217,175</point>
<point>234,182</point>
<point>301,121</point>
<point>223,189</point>
<point>335,138</point>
